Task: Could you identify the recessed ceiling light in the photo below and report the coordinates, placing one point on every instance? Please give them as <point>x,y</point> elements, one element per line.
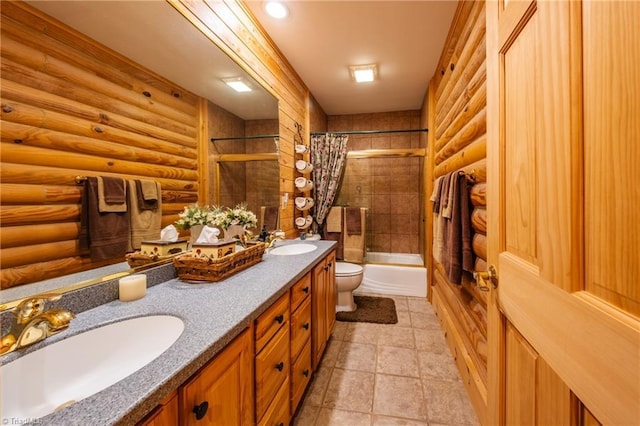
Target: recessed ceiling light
<point>276,9</point>
<point>364,73</point>
<point>237,84</point>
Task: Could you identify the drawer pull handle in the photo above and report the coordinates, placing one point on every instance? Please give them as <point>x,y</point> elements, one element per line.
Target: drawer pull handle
<point>279,319</point>
<point>305,373</point>
<point>305,289</point>
<point>280,424</point>
<point>201,410</point>
<point>305,325</point>
<point>280,366</point>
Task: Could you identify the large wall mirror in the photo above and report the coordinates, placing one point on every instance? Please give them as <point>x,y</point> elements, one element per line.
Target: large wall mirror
<point>156,36</point>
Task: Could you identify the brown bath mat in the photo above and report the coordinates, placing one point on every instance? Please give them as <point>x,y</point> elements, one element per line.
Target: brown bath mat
<point>380,310</point>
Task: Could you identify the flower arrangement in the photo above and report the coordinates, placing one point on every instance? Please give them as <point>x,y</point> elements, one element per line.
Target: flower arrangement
<point>196,215</point>
<point>239,215</point>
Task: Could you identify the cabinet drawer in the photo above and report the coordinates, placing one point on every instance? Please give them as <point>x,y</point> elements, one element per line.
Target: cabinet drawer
<point>300,375</point>
<point>278,412</point>
<point>300,291</point>
<point>271,320</point>
<point>300,328</point>
<point>272,369</point>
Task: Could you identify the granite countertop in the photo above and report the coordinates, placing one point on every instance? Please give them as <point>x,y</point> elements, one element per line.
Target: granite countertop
<point>213,315</point>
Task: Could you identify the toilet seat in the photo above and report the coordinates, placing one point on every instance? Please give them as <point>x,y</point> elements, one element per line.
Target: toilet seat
<point>346,269</point>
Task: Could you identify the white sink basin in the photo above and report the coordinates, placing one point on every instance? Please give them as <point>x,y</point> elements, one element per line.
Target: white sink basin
<point>65,372</point>
<point>291,249</point>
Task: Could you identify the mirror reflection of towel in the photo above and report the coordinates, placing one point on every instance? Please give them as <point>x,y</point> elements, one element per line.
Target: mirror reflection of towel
<point>105,235</point>
<point>145,222</point>
<point>112,195</point>
<point>270,219</point>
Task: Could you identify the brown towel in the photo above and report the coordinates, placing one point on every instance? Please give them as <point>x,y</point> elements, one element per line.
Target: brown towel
<point>106,235</point>
<point>353,221</point>
<point>111,195</point>
<point>270,221</point>
<point>458,254</point>
<point>144,204</point>
<point>145,222</point>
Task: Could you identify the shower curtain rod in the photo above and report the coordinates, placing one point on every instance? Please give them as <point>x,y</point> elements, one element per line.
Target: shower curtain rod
<point>245,137</point>
<point>346,132</point>
<point>369,132</point>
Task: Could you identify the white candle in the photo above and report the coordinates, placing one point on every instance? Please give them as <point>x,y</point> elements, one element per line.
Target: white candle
<point>132,287</point>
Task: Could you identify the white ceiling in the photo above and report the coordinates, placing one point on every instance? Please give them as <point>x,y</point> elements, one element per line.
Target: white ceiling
<point>322,38</point>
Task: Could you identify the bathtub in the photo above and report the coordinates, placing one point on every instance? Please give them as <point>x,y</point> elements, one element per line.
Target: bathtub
<point>399,274</point>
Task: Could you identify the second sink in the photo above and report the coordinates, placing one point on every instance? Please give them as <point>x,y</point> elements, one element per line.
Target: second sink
<point>65,372</point>
<point>292,249</point>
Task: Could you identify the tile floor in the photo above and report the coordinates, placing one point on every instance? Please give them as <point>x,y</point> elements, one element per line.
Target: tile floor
<point>400,374</point>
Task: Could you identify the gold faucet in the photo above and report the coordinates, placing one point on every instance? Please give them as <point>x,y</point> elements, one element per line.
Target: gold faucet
<point>273,237</point>
<point>33,323</point>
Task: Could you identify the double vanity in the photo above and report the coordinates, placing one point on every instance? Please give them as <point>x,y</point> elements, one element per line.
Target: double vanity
<point>239,351</point>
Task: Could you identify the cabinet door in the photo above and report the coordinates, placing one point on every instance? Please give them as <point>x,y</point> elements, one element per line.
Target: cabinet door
<point>332,294</point>
<point>222,393</point>
<point>164,415</point>
<point>318,312</point>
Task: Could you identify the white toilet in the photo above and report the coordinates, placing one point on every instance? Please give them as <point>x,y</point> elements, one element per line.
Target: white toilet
<point>348,278</point>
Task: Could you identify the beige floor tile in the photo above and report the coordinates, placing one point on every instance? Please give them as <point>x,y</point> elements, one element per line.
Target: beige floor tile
<point>424,320</point>
<point>350,390</point>
<point>339,330</point>
<point>401,303</point>
<point>428,340</point>
<point>379,420</point>
<point>404,319</point>
<point>329,417</point>
<point>398,361</point>
<point>331,353</point>
<point>438,366</point>
<point>419,304</point>
<point>448,403</point>
<point>399,396</point>
<point>318,386</point>
<point>357,356</point>
<point>401,337</point>
<point>362,332</point>
<point>306,416</point>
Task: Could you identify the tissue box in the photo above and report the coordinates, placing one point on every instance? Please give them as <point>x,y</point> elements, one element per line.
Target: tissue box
<point>214,250</point>
<point>163,248</point>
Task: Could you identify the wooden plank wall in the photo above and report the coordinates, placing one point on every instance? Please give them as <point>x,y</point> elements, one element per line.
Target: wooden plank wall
<point>458,142</point>
<point>71,107</point>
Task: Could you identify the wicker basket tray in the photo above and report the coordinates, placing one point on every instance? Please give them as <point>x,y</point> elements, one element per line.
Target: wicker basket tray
<point>193,268</point>
<point>139,260</point>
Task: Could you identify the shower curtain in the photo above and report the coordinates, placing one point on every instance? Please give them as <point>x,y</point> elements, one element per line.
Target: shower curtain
<point>328,156</point>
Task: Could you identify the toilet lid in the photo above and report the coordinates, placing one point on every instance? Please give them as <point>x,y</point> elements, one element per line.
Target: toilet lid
<point>347,269</point>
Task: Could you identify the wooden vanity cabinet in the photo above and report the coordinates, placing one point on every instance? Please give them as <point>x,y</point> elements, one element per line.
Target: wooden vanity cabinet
<point>272,364</point>
<point>301,326</point>
<point>323,306</point>
<point>166,414</point>
<point>222,392</point>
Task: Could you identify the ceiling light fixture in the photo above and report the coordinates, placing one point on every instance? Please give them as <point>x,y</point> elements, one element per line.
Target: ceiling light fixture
<point>237,84</point>
<point>276,9</point>
<point>364,73</point>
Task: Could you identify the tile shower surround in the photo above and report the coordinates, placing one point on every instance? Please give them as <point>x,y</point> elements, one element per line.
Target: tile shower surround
<point>389,187</point>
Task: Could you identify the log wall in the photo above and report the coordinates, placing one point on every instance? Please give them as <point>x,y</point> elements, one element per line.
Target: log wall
<point>457,124</point>
<point>71,107</point>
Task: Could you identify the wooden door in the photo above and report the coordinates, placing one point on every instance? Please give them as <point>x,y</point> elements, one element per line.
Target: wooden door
<point>332,292</point>
<point>564,211</point>
<point>318,312</point>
